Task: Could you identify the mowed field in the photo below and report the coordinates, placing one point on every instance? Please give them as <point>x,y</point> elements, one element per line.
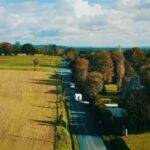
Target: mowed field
<point>23,62</point>
<point>28,106</point>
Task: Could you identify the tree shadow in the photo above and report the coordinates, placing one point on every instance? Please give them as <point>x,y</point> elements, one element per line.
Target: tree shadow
<point>44,82</point>
<point>44,106</point>
<point>48,65</point>
<point>53,102</point>
<point>45,122</point>
<point>51,92</point>
<point>119,144</point>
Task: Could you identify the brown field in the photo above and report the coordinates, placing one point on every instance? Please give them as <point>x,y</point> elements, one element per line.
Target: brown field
<point>27,110</point>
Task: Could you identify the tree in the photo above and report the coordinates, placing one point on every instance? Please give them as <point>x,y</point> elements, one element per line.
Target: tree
<point>16,48</point>
<point>35,63</point>
<point>119,66</point>
<point>1,50</point>
<point>129,71</point>
<point>71,54</point>
<point>135,57</point>
<point>102,62</point>
<point>60,52</point>
<point>145,78</point>
<point>44,50</point>
<point>6,48</point>
<point>28,49</point>
<point>93,84</point>
<point>138,114</point>
<point>53,49</point>
<point>81,69</point>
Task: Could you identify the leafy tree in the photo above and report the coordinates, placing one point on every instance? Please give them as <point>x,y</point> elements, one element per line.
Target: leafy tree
<point>60,52</point>
<point>1,50</point>
<point>138,114</point>
<point>16,48</point>
<point>6,48</point>
<point>129,71</point>
<point>119,66</point>
<point>52,49</point>
<point>93,84</point>
<point>145,78</point>
<point>135,57</point>
<point>28,49</point>
<point>44,50</point>
<point>102,62</point>
<point>35,63</point>
<point>71,54</point>
<point>81,69</point>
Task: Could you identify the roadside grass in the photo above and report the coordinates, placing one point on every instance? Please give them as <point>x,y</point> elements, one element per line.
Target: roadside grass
<point>138,141</point>
<point>63,138</point>
<point>22,62</point>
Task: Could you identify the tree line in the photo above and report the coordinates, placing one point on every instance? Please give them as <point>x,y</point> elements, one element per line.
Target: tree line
<point>92,70</point>
<point>9,49</point>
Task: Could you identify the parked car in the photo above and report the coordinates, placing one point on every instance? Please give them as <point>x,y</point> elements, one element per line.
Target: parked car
<point>72,85</point>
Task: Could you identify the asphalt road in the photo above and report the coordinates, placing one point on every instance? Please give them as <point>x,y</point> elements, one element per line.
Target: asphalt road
<point>86,129</point>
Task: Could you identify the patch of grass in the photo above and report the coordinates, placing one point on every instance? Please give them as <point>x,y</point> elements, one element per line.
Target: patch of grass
<point>112,95</point>
<point>138,141</point>
<point>111,88</point>
<point>26,62</point>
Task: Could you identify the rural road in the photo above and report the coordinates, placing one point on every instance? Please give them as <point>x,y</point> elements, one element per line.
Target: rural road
<point>86,129</point>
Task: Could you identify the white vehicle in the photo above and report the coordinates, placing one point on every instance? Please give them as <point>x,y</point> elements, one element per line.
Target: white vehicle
<point>72,85</point>
<point>78,97</point>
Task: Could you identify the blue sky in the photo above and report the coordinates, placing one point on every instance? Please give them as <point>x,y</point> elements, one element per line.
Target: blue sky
<point>76,22</point>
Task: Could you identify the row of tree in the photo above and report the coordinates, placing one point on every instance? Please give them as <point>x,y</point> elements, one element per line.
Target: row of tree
<point>102,67</point>
<point>28,49</point>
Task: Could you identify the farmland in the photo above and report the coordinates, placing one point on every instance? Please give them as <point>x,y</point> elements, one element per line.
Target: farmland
<point>27,103</point>
<point>23,62</point>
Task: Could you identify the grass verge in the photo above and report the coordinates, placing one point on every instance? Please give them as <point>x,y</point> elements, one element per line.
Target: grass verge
<point>63,137</point>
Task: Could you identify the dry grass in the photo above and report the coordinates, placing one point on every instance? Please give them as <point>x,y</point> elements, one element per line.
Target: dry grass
<point>138,141</point>
<point>27,110</point>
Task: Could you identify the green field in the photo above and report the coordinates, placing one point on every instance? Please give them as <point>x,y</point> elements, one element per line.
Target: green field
<point>28,103</point>
<point>26,62</point>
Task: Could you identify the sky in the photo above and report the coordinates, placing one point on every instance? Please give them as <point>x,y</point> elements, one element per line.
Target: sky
<point>76,22</point>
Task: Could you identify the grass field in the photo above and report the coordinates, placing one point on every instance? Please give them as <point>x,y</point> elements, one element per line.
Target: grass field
<point>26,62</point>
<point>111,93</point>
<point>27,104</point>
<point>138,141</point>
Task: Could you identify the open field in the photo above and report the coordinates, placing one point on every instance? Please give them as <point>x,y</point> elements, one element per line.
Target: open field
<point>26,62</point>
<point>138,141</point>
<point>27,107</point>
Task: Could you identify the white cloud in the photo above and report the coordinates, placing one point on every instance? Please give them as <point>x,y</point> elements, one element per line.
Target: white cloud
<point>77,22</point>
